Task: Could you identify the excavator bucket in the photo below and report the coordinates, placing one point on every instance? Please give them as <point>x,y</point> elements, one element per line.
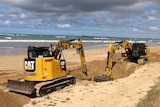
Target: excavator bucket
<point>21,87</point>
<point>102,78</point>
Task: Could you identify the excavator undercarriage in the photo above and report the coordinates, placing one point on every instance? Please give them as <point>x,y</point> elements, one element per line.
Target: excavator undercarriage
<point>40,88</point>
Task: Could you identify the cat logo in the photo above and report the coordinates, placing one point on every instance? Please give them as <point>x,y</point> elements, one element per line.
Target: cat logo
<point>29,65</point>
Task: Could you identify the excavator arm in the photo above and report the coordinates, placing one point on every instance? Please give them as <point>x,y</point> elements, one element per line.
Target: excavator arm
<point>109,60</point>
<point>112,49</point>
<point>67,44</point>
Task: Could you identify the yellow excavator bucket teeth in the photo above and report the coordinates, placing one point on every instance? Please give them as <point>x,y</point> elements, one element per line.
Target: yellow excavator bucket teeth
<point>21,87</point>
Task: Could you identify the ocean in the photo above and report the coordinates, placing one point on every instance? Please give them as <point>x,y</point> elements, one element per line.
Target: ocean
<point>18,43</point>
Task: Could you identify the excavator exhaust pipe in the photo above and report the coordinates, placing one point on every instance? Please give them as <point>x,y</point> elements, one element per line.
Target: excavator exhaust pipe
<point>102,78</point>
<point>24,87</point>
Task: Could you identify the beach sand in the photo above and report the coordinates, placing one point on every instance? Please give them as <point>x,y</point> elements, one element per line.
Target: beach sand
<point>122,91</point>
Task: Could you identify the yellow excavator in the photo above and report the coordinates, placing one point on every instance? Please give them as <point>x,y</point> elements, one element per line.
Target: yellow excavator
<point>45,70</point>
<point>136,52</point>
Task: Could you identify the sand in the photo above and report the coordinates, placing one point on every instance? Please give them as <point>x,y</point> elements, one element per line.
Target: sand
<point>9,99</point>
<point>125,92</point>
<point>120,92</point>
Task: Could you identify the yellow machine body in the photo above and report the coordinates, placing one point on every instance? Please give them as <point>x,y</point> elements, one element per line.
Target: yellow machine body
<point>43,69</point>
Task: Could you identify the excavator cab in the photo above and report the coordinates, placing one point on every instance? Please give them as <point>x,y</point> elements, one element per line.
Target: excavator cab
<point>139,53</point>
<point>138,50</point>
<point>34,52</point>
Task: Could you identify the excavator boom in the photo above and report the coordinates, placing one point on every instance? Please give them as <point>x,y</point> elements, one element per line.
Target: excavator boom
<point>67,44</point>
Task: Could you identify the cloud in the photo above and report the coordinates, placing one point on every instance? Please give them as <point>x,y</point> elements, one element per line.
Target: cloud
<point>63,25</point>
<point>22,15</point>
<point>21,22</point>
<point>137,30</point>
<point>71,6</point>
<point>7,22</point>
<point>152,18</point>
<point>154,28</point>
<point>87,15</point>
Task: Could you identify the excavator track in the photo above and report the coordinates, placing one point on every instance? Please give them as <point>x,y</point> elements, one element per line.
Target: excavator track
<point>44,88</point>
<point>141,61</point>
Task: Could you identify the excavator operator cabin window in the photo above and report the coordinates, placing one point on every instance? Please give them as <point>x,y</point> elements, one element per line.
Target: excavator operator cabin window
<point>32,54</point>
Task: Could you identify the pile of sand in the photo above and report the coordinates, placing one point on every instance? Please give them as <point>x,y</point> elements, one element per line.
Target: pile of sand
<point>8,99</point>
<point>119,70</point>
<point>155,57</point>
<point>97,67</point>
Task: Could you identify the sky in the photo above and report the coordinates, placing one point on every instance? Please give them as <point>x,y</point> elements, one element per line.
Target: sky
<point>117,18</point>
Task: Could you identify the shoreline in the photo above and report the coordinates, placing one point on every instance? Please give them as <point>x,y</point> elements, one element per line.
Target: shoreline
<point>10,48</point>
<point>22,51</point>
